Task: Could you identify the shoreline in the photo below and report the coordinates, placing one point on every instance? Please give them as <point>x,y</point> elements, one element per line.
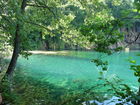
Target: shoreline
<point>48,52</point>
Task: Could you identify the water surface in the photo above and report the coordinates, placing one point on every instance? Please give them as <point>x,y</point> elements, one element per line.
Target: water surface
<point>76,66</point>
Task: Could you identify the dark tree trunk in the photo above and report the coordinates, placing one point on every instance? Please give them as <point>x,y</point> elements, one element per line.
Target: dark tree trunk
<point>47,47</point>
<point>16,50</point>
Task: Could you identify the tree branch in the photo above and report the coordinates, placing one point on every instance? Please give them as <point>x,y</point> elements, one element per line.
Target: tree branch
<point>40,26</point>
<point>42,6</point>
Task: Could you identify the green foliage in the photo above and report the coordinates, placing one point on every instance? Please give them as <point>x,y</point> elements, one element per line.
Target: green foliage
<point>135,68</point>
<point>137,3</point>
<point>101,63</point>
<point>4,53</point>
<point>66,20</point>
<point>28,90</point>
<point>85,23</point>
<point>103,35</point>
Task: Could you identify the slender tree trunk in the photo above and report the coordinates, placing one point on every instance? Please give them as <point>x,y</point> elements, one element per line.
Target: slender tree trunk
<point>16,50</point>
<point>47,47</point>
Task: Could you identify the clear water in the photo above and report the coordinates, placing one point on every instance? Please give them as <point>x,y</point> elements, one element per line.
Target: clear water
<point>76,66</point>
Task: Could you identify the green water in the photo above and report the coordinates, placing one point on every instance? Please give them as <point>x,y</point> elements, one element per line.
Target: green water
<point>76,66</point>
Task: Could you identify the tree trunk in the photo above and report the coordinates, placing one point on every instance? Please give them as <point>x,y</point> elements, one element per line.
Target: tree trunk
<point>47,45</point>
<point>16,50</point>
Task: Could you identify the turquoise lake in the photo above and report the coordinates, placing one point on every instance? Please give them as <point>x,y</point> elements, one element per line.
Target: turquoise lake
<point>76,66</point>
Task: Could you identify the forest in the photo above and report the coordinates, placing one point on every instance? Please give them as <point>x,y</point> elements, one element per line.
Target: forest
<point>69,52</point>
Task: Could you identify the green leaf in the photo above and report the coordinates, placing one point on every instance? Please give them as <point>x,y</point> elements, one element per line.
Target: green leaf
<point>133,61</point>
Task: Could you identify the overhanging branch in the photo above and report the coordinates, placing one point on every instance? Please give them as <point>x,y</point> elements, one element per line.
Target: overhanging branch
<point>32,23</point>
<point>42,6</point>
